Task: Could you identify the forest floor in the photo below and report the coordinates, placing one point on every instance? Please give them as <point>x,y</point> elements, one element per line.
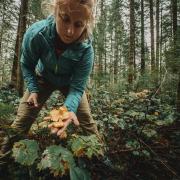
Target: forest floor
<point>141,133</point>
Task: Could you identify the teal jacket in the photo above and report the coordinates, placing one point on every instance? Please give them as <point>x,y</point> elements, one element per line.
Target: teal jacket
<point>72,68</point>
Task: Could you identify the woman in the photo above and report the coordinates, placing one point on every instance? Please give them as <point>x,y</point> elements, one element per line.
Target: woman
<point>57,54</point>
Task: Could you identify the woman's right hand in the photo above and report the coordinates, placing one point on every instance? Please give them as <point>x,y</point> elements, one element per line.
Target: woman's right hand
<point>33,99</point>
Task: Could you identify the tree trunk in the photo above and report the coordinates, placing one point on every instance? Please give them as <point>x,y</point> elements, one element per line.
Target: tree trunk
<point>105,56</point>
<point>101,39</point>
<point>157,38</point>
<point>111,80</point>
<point>176,41</point>
<point>22,28</point>
<point>2,29</point>
<point>161,44</point>
<point>174,20</point>
<point>131,43</point>
<point>15,60</point>
<point>178,97</point>
<point>152,35</point>
<point>4,73</point>
<point>142,39</point>
<point>116,56</point>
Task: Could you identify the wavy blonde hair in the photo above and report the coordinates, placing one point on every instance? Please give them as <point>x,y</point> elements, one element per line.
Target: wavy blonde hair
<point>51,6</point>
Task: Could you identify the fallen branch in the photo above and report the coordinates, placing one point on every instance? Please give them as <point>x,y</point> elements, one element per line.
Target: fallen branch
<point>161,161</point>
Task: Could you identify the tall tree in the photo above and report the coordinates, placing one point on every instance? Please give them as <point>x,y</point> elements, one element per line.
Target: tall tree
<point>151,5</point>
<point>157,37</point>
<point>101,34</point>
<point>176,47</point>
<point>131,43</point>
<point>22,28</point>
<point>15,60</point>
<point>2,26</point>
<point>174,19</point>
<point>142,38</point>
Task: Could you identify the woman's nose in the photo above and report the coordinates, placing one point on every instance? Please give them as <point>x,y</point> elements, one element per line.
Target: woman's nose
<point>70,30</point>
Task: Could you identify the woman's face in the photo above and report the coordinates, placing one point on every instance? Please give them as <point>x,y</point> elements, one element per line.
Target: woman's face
<point>70,22</point>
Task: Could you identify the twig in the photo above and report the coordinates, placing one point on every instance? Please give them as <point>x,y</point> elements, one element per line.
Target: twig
<point>161,161</point>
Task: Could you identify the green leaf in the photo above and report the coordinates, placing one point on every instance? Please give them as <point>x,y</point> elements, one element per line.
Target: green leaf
<point>25,152</point>
<point>86,146</point>
<point>136,153</point>
<point>133,144</point>
<point>122,124</point>
<point>146,153</point>
<point>132,113</point>
<point>58,159</point>
<point>77,173</point>
<point>149,132</point>
<point>160,122</point>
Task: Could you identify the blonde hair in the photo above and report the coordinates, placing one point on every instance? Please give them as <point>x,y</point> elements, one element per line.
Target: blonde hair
<point>50,6</point>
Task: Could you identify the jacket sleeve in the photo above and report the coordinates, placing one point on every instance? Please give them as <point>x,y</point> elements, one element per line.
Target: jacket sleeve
<point>79,80</point>
<point>30,53</point>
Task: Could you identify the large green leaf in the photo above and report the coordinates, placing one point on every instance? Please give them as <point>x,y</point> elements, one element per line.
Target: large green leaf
<point>58,159</point>
<point>86,146</point>
<point>25,151</point>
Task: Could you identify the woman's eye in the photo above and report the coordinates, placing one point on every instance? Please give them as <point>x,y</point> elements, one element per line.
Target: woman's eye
<point>65,18</point>
<point>78,25</point>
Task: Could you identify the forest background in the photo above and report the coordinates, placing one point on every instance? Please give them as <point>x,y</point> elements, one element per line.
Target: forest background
<point>134,88</point>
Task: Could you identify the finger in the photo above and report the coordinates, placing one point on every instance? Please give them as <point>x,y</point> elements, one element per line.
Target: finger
<point>35,102</point>
<point>29,100</point>
<point>75,121</point>
<point>62,129</point>
<point>59,124</point>
<point>50,126</point>
<point>54,130</point>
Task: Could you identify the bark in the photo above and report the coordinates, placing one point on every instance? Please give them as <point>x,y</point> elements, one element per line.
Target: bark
<point>15,60</point>
<point>111,82</point>
<point>174,20</point>
<point>131,43</point>
<point>105,53</point>
<point>176,41</point>
<point>101,35</point>
<point>142,39</point>
<point>116,49</point>
<point>23,20</point>
<point>178,97</point>
<point>152,35</point>
<point>157,36</point>
<point>161,44</point>
<point>2,29</point>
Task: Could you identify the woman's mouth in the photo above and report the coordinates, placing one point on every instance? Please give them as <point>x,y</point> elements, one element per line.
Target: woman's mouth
<point>68,37</point>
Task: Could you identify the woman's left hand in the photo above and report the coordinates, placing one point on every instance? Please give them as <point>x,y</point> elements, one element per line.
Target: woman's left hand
<point>72,118</point>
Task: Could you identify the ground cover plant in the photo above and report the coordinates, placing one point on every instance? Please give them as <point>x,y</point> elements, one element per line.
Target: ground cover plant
<point>140,132</point>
